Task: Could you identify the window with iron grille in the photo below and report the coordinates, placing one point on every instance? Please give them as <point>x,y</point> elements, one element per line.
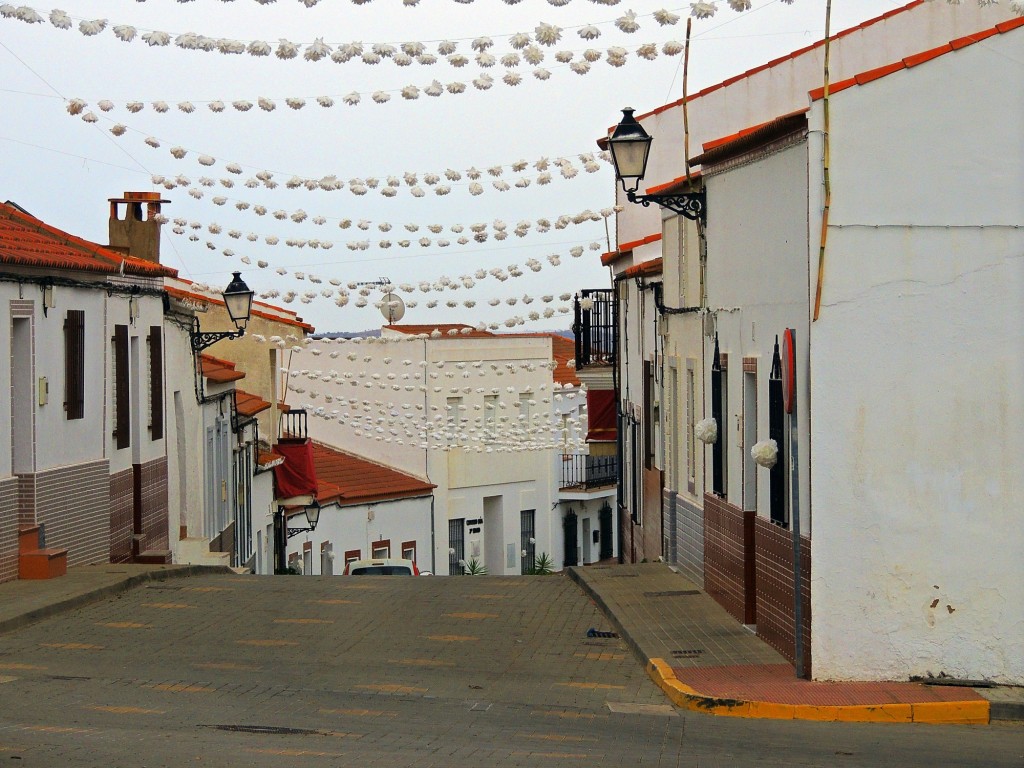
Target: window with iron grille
<point>776,431</point>
<point>527,535</point>
<point>456,546</point>
<point>74,364</point>
<point>121,393</point>
<point>718,454</point>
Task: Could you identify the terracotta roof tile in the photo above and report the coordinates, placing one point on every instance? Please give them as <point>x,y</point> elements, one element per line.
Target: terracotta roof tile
<point>249,404</point>
<point>563,349</point>
<point>918,58</point>
<point>644,268</point>
<point>27,241</point>
<point>348,479</point>
<point>219,371</point>
<point>624,248</point>
<point>289,318</point>
<point>678,183</point>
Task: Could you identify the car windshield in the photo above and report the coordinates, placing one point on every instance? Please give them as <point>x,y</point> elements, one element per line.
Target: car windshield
<point>382,570</point>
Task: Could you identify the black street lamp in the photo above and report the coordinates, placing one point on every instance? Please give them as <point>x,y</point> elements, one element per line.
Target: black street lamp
<point>630,146</point>
<point>238,300</point>
<point>282,532</point>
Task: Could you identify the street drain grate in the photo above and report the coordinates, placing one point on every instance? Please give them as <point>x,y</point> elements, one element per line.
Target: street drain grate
<point>69,677</point>
<point>677,593</point>
<point>687,653</point>
<point>271,730</point>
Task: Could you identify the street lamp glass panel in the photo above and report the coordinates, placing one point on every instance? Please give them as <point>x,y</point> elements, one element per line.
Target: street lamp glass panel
<point>630,145</point>
<point>313,514</point>
<point>238,300</point>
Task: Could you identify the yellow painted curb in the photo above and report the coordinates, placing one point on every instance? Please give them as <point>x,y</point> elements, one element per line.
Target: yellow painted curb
<point>944,712</point>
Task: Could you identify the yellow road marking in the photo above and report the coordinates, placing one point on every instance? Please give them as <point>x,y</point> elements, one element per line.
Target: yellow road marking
<point>493,597</point>
<point>423,663</point>
<point>7,678</point>
<point>303,621</point>
<point>182,688</point>
<point>56,729</point>
<point>227,665</point>
<point>593,686</point>
<point>451,638</point>
<point>359,712</point>
<point>123,625</point>
<point>18,665</point>
<point>393,688</point>
<point>73,646</point>
<point>559,737</point>
<point>294,753</point>
<point>576,755</point>
<point>601,656</point>
<point>570,715</point>
<point>167,606</point>
<point>127,710</point>
<point>471,615</point>
<point>267,643</point>
<point>335,602</point>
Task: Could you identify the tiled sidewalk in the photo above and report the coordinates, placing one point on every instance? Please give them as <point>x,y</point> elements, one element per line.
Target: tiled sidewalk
<point>705,660</point>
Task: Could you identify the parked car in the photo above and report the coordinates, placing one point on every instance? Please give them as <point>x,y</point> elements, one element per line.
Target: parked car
<point>381,567</point>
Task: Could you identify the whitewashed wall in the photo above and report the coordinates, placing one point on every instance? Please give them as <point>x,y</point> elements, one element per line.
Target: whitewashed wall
<point>783,88</point>
<point>757,287</point>
<point>357,526</point>
<point>918,361</point>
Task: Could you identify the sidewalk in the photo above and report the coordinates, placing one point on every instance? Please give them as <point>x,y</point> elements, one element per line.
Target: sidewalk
<point>706,661</point>
<point>24,602</point>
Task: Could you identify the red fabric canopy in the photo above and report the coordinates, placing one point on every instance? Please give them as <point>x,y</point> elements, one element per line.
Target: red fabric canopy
<point>602,425</point>
<point>296,475</point>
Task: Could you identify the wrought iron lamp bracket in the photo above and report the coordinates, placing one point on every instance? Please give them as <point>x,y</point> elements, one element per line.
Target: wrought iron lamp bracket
<point>203,339</point>
<point>690,205</point>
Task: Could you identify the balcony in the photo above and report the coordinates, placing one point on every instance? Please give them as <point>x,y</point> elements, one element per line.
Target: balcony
<point>585,476</point>
<point>595,328</point>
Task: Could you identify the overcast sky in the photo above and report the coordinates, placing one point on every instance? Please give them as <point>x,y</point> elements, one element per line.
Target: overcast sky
<point>63,169</point>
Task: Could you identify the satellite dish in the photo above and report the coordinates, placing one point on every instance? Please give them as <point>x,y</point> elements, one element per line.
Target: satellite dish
<point>392,307</point>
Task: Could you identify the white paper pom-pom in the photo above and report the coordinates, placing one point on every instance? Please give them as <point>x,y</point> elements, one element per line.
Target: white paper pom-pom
<point>647,51</point>
<point>703,10</point>
<point>60,19</point>
<point>541,74</point>
<point>706,430</point>
<point>267,105</point>
<point>125,32</point>
<point>351,98</point>
<point>410,92</point>
<point>161,106</point>
<point>580,67</point>
<point>76,106</point>
<point>156,39</point>
<point>672,48</point>
<point>94,27</point>
<point>765,453</point>
<point>666,18</point>
<point>547,34</point>
<point>563,57</point>
<point>118,130</point>
<point>381,97</point>
<point>627,22</point>
<point>317,50</point>
<point>90,117</point>
<point>484,82</point>
<point>242,105</point>
<point>740,5</point>
<point>325,101</point>
<point>216,106</point>
<point>258,48</point>
<point>286,49</point>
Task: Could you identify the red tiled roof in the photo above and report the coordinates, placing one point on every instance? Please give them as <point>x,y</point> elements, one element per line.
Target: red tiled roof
<point>775,62</point>
<point>680,181</point>
<point>289,318</point>
<point>443,328</point>
<point>644,268</point>
<point>249,404</point>
<point>624,248</point>
<point>752,137</point>
<point>348,479</point>
<point>27,241</point>
<point>918,58</point>
<point>269,459</point>
<point>219,371</point>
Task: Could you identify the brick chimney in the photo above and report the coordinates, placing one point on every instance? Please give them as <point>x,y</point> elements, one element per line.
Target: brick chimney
<point>134,234</point>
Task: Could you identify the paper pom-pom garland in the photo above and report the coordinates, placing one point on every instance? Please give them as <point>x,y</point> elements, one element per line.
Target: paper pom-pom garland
<point>706,430</point>
<point>765,453</point>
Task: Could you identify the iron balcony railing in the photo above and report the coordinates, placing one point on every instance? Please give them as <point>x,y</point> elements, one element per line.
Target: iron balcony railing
<point>580,471</point>
<point>294,424</point>
<point>594,327</point>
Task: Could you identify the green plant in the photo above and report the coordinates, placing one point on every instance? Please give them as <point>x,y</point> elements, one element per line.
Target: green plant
<point>475,568</point>
<point>543,565</point>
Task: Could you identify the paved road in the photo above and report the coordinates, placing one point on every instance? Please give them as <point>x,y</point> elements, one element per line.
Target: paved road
<point>477,671</point>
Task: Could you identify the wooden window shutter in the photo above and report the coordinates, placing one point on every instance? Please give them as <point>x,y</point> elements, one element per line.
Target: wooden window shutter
<point>156,383</point>
<point>74,364</point>
<point>122,395</point>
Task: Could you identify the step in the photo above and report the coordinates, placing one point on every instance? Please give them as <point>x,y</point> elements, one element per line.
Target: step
<point>196,551</point>
<point>28,538</point>
<point>154,557</point>
<point>42,564</point>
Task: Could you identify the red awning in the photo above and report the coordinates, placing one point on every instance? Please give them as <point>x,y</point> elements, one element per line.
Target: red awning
<point>601,416</point>
<point>296,476</point>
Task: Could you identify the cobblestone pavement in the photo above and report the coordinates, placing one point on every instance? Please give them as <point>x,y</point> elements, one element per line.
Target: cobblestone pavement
<point>291,671</point>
